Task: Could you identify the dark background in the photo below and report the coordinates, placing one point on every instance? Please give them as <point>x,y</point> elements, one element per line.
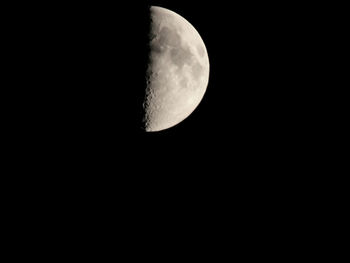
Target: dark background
<point>86,64</point>
<point>241,167</point>
<point>249,137</point>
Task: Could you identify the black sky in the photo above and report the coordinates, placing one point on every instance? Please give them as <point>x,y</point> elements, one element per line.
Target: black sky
<point>90,63</point>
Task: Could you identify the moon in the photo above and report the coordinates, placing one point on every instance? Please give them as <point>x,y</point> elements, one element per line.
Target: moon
<point>177,73</point>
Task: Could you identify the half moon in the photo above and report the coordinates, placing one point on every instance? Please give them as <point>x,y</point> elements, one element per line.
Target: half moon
<point>178,70</point>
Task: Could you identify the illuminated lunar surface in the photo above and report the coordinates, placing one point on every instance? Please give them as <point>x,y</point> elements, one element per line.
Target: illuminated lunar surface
<point>178,70</point>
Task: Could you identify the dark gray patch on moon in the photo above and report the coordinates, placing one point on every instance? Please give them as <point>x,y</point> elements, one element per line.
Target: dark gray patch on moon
<point>163,39</point>
<point>168,37</point>
<point>156,48</point>
<point>181,56</point>
<point>162,16</point>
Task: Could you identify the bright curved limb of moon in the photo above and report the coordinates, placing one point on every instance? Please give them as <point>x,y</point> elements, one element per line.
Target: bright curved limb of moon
<point>178,70</point>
